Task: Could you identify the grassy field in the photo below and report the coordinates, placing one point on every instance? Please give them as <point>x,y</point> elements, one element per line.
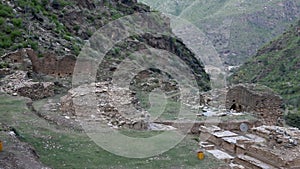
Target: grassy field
<point>60,147</point>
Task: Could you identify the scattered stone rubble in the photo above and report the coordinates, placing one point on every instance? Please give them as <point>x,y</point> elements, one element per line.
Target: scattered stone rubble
<point>18,83</point>
<point>262,147</point>
<point>105,102</point>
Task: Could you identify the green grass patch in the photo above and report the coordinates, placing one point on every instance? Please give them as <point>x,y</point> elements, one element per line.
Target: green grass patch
<point>62,148</point>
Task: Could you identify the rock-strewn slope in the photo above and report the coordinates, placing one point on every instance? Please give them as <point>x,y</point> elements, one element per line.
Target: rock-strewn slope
<point>57,30</point>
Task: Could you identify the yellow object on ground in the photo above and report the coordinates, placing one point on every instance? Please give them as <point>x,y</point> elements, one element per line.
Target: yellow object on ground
<point>200,155</point>
<point>1,145</point>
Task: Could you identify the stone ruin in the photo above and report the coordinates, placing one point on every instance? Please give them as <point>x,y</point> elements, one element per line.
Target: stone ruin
<point>18,83</point>
<point>257,99</point>
<point>106,103</point>
<point>27,59</point>
<point>260,147</point>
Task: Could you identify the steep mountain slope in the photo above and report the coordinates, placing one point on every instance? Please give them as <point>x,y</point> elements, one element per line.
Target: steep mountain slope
<point>61,27</point>
<point>276,65</point>
<point>237,28</point>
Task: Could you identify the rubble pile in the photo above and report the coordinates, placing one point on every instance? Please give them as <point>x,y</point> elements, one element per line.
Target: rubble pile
<point>279,136</point>
<point>106,103</point>
<point>18,83</point>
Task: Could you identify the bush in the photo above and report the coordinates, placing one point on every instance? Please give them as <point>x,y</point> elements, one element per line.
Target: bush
<point>17,22</point>
<point>293,119</point>
<point>5,42</point>
<point>2,21</point>
<point>15,33</point>
<point>3,65</point>
<point>6,11</point>
<point>33,45</point>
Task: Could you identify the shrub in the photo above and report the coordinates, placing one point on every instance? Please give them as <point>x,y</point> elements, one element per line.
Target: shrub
<point>76,28</point>
<point>33,45</point>
<point>15,33</point>
<point>17,22</point>
<point>6,11</point>
<point>293,119</point>
<point>2,21</point>
<point>3,65</point>
<point>5,42</point>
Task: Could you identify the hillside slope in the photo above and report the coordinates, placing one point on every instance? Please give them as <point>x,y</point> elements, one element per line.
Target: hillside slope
<point>236,28</point>
<point>276,65</point>
<point>62,27</point>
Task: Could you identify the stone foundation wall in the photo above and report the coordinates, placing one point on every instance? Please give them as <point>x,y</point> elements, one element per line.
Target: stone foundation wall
<point>37,91</point>
<point>251,98</point>
<point>102,102</point>
<point>50,64</point>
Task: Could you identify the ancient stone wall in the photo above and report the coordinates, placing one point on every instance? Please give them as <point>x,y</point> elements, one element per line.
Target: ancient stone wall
<point>257,99</point>
<point>49,64</point>
<point>18,60</point>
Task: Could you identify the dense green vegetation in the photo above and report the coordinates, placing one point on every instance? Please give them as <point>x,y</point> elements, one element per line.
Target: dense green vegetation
<point>18,27</point>
<point>277,65</point>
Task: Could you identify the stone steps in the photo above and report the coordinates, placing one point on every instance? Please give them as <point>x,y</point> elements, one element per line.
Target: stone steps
<point>221,155</point>
<point>253,163</point>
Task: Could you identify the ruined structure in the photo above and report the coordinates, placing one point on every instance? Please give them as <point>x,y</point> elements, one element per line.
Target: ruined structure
<point>18,83</point>
<point>259,100</point>
<point>262,147</point>
<point>103,102</point>
<point>49,64</point>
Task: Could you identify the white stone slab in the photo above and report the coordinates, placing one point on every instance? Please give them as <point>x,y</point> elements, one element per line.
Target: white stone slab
<point>233,140</point>
<point>256,138</point>
<point>221,155</point>
<point>225,133</point>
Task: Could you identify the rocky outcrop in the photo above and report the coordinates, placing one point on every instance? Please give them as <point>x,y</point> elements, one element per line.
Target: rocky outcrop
<point>260,100</point>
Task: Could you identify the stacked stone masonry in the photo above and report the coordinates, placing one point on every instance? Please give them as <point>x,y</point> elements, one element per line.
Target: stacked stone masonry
<point>256,99</point>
